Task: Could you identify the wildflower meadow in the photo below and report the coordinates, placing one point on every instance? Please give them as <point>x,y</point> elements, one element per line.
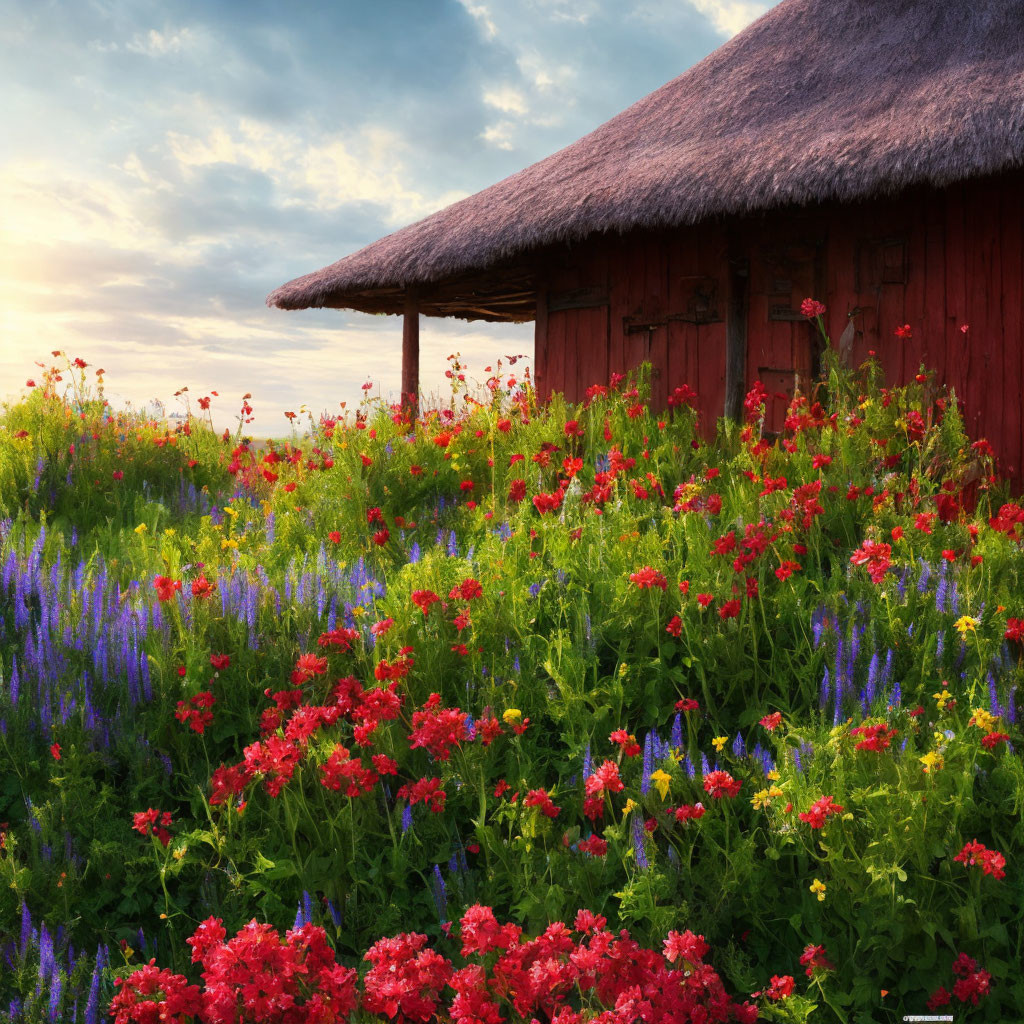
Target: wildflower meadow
<point>510,710</point>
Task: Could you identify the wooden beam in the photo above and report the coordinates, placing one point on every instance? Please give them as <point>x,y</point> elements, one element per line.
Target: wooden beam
<point>540,345</point>
<point>411,352</point>
<point>736,334</point>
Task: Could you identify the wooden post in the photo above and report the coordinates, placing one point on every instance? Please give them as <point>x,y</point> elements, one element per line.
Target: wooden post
<point>411,352</point>
<point>540,345</point>
<point>736,334</point>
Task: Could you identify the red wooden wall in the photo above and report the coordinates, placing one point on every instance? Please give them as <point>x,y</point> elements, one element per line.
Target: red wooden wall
<point>934,259</point>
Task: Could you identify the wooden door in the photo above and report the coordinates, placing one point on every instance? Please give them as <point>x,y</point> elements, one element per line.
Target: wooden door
<point>787,265</point>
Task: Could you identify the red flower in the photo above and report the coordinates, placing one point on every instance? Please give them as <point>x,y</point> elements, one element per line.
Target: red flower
<point>517,490</point>
<point>196,712</point>
<point>539,798</point>
<point>605,779</point>
<point>993,739</point>
<point>876,737</point>
<point>307,666</point>
<point>1015,630</point>
<point>438,729</point>
<point>686,947</point>
<point>813,958</point>
<point>820,811</point>
<point>594,845</point>
<point>811,308</point>
<point>423,599</point>
<point>648,578</point>
<point>675,626</point>
<point>220,661</point>
<point>166,587</point>
<point>381,537</point>
<point>406,980</point>
<point>202,588</point>
<point>771,722</point>
<point>427,791</point>
<point>55,751</point>
<point>153,821</point>
<point>780,987</point>
<point>687,704</point>
<point>903,332</point>
<point>334,536</point>
<point>730,609</point>
<point>685,812</point>
<point>923,522</point>
<point>721,784</point>
<point>705,599</point>
<point>991,862</point>
<point>155,994</point>
<point>626,741</point>
<point>875,556</point>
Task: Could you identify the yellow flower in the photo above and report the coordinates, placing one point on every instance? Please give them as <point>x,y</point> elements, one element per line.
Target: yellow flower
<point>774,792</point>
<point>225,543</point>
<point>511,715</point>
<point>180,852</point>
<point>663,781</point>
<point>984,720</point>
<point>719,741</point>
<point>677,755</point>
<point>818,888</point>
<point>966,624</point>
<point>773,775</point>
<point>630,805</point>
<point>141,528</point>
<point>760,799</point>
<point>170,531</point>
<point>942,698</point>
<point>230,511</point>
<point>358,610</point>
<point>932,761</point>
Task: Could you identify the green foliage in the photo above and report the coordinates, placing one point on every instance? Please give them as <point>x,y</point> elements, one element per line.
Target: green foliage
<point>591,619</point>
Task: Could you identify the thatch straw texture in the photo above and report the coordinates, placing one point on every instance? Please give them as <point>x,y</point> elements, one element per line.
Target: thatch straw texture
<point>817,100</point>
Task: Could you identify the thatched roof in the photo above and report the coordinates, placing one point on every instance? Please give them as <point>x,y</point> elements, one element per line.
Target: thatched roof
<point>817,100</point>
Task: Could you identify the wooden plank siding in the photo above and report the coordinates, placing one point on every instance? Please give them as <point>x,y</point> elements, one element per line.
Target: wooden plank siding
<point>931,258</point>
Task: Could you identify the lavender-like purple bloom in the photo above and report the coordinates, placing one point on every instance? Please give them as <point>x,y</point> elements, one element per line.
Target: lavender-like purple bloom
<point>638,843</point>
<point>92,1003</point>
<point>588,766</point>
<point>896,697</point>
<point>440,891</point>
<point>26,931</point>
<point>406,818</point>
<point>942,589</point>
<point>993,696</point>
<point>676,737</point>
<point>648,766</point>
<point>922,581</point>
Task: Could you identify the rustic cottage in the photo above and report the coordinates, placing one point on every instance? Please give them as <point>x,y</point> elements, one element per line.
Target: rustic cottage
<point>868,153</point>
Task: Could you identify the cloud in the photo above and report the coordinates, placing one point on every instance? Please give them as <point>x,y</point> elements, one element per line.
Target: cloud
<point>731,16</point>
<point>155,43</point>
<point>165,172</point>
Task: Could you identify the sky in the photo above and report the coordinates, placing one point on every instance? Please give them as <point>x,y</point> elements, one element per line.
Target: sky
<point>165,164</point>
